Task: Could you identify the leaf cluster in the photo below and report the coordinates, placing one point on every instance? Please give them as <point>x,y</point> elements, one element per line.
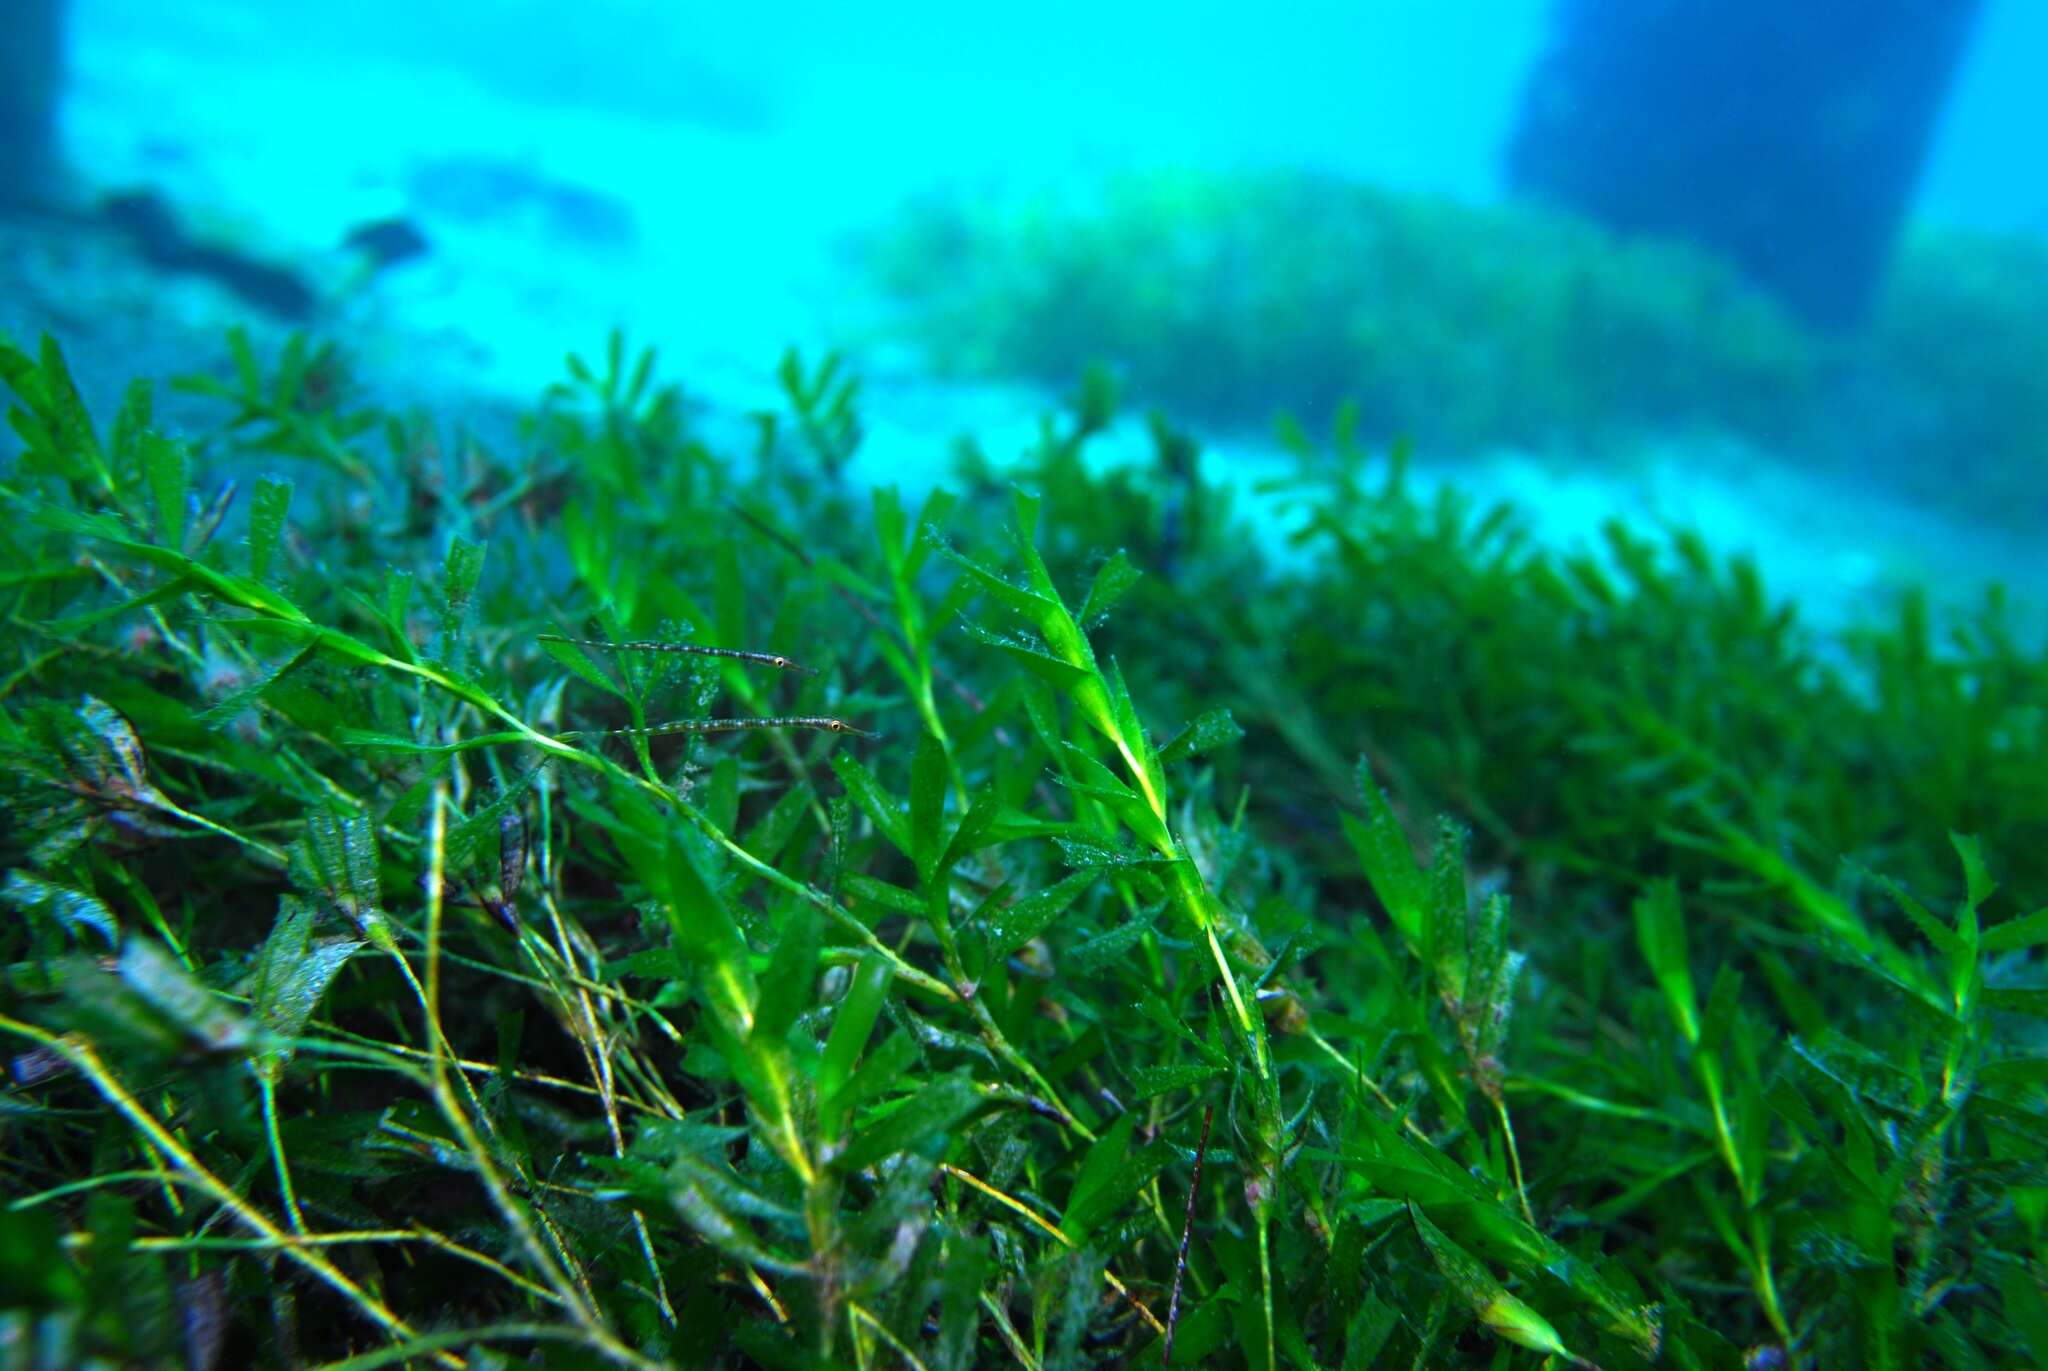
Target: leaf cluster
<point>394,973</point>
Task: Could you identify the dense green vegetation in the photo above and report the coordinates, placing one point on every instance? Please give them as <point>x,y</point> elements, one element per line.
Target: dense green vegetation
<point>1418,949</point>
<point>1222,297</point>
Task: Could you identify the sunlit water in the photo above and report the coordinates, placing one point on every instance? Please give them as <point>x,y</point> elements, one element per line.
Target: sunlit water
<point>743,147</point>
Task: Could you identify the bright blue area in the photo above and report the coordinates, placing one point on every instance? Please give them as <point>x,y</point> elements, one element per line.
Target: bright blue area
<point>1417,92</point>
<point>1988,162</point>
<point>692,171</point>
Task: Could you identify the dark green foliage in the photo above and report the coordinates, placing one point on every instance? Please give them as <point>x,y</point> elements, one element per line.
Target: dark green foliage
<point>1950,380</point>
<point>350,893</point>
<point>1225,297</point>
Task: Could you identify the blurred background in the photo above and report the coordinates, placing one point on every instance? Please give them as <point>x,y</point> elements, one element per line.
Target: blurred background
<point>1776,270</point>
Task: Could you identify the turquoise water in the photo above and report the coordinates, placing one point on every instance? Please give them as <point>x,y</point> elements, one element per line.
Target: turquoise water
<point>698,174</point>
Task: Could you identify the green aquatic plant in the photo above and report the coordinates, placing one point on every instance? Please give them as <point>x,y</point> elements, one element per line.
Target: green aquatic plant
<point>455,911</point>
<point>1946,390</point>
<point>1225,297</point>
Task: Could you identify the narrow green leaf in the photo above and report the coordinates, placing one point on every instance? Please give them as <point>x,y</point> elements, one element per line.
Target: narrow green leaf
<point>1154,1081</point>
<point>1491,979</point>
<point>1130,729</point>
<point>391,742</point>
<point>1032,607</point>
<point>397,596</point>
<point>1054,671</point>
<point>703,929</point>
<point>292,973</point>
<point>1444,930</point>
<point>1089,956</point>
<point>720,798</point>
<point>2015,1071</point>
<point>976,829</point>
<point>1501,1312</point>
<point>73,423</point>
<point>695,1204</point>
<point>889,528</point>
<point>882,1071</point>
<point>175,588</point>
<point>2026,1309</point>
<point>1389,861</point>
<point>1723,1003</point>
<point>728,596</point>
<point>269,504</point>
<point>658,963</point>
<point>959,1302</point>
<point>1130,1175</point>
<point>580,665</point>
<point>167,466</point>
<point>235,590</point>
<point>1027,918</point>
<point>1368,1332</point>
<point>469,838</point>
<point>231,706</point>
<point>2018,999</point>
<point>927,803</point>
<point>1153,1007</point>
<point>875,802</point>
<point>243,355</point>
<point>1939,935</point>
<point>1105,1155</point>
<point>938,507</point>
<point>337,860</point>
<point>1087,776</point>
<point>73,910</point>
<point>930,1112</point>
<point>698,1148</point>
<point>17,369</point>
<point>786,985</point>
<point>1207,733</point>
<point>1115,578</point>
<point>1976,876</point>
<point>852,1022</point>
<point>156,976</point>
<point>1084,850</point>
<point>2029,930</point>
<point>1660,930</point>
<point>460,573</point>
<point>885,894</point>
<point>772,832</point>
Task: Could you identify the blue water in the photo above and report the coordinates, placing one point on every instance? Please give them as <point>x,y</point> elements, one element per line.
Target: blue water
<point>694,172</point>
<point>1418,93</point>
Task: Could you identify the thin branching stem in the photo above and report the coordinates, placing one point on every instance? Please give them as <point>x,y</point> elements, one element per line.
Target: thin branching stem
<point>86,1060</point>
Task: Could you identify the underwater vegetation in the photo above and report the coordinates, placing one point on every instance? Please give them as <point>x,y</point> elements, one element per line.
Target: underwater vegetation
<point>1949,380</point>
<point>1225,297</point>
<point>622,901</point>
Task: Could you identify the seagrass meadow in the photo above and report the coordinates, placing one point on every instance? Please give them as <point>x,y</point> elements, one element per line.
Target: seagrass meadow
<point>626,896</point>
